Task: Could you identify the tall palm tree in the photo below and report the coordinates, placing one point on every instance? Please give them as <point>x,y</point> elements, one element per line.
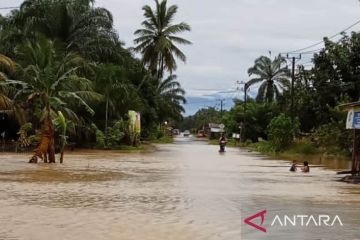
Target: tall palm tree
<point>51,81</point>
<point>78,25</point>
<point>171,96</point>
<point>8,67</point>
<point>273,76</point>
<point>156,41</point>
<point>111,81</point>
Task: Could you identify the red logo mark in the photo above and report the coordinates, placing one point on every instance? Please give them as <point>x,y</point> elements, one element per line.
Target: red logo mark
<point>260,214</point>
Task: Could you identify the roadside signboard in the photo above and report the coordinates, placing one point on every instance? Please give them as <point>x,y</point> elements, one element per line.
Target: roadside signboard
<point>353,119</point>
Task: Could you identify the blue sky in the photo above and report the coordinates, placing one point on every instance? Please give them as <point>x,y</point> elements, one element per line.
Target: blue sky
<point>229,35</point>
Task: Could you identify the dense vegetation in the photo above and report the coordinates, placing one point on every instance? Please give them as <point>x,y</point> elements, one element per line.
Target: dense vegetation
<point>65,73</point>
<point>318,123</point>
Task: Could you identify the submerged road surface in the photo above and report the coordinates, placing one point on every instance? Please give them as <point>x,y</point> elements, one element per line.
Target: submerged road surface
<point>185,190</point>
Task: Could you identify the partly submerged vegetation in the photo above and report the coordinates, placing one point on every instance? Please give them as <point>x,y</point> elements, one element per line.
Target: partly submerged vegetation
<point>66,77</point>
<point>313,124</point>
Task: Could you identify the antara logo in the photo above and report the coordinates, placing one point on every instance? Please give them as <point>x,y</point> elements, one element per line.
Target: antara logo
<point>294,220</point>
<point>262,216</point>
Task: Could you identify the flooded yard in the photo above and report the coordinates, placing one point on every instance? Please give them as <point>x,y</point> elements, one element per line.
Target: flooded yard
<point>185,190</point>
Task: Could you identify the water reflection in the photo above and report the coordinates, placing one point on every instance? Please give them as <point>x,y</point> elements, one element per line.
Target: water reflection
<point>185,191</point>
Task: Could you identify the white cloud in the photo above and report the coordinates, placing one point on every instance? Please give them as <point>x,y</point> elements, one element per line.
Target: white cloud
<point>228,35</point>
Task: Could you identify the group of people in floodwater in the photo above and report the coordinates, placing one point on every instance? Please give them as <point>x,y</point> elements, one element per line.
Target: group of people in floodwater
<point>293,168</point>
<point>304,169</point>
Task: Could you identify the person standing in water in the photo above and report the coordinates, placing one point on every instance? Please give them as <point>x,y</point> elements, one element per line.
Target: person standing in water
<point>222,142</point>
<point>293,167</point>
<point>306,167</point>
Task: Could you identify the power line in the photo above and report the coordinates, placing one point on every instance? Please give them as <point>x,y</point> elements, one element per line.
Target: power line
<point>312,51</point>
<point>322,41</point>
<point>8,8</point>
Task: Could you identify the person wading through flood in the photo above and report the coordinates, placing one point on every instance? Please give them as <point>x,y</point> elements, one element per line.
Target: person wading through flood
<point>293,167</point>
<point>306,167</point>
<point>222,142</point>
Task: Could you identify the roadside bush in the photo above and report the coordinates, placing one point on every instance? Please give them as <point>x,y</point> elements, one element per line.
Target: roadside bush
<point>282,131</point>
<point>116,134</point>
<point>303,147</point>
<point>263,147</point>
<point>332,137</point>
<point>100,137</point>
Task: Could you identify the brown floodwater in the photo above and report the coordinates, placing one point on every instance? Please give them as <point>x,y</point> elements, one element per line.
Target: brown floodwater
<point>185,190</point>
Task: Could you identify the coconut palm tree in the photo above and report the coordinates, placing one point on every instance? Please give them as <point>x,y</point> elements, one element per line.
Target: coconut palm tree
<point>156,41</point>
<point>8,67</point>
<point>78,25</point>
<point>50,80</point>
<point>171,96</point>
<point>111,81</point>
<point>273,76</point>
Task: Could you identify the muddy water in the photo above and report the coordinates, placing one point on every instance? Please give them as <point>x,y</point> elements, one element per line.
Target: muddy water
<point>186,190</point>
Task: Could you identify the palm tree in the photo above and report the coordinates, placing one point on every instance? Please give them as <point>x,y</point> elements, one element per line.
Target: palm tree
<point>156,41</point>
<point>78,25</point>
<point>171,96</point>
<point>273,76</point>
<point>111,81</point>
<point>51,81</point>
<point>8,67</point>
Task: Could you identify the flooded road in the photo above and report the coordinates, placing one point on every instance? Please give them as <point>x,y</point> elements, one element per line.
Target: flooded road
<point>185,190</point>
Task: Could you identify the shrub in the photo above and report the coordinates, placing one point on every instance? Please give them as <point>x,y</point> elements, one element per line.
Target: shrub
<point>304,147</point>
<point>282,131</point>
<point>263,147</point>
<point>332,137</point>
<point>100,137</point>
<point>116,134</point>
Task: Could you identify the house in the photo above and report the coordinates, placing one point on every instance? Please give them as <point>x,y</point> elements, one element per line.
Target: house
<point>215,130</point>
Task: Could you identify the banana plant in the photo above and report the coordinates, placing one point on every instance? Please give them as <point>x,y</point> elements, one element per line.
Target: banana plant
<point>62,125</point>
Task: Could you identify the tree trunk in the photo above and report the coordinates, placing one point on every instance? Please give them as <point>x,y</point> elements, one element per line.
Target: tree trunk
<point>161,67</point>
<point>62,154</point>
<point>51,148</point>
<point>106,118</point>
<point>42,149</point>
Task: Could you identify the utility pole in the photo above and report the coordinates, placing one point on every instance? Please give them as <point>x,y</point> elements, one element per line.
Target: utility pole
<point>245,89</point>
<point>293,61</point>
<point>222,104</point>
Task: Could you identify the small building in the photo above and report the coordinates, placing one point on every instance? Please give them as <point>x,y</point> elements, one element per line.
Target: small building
<point>353,123</point>
<point>215,130</point>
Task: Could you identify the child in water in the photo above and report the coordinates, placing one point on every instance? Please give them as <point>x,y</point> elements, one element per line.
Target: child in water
<point>293,167</point>
<point>306,167</point>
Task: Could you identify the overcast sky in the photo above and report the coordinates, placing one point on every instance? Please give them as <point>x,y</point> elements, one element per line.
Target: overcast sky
<point>228,35</point>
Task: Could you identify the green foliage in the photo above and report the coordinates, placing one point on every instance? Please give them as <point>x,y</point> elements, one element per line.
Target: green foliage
<point>263,147</point>
<point>253,118</point>
<point>304,146</point>
<point>163,140</point>
<point>282,131</point>
<point>100,137</point>
<point>273,76</point>
<point>157,40</point>
<point>156,133</point>
<point>332,137</point>
<point>66,56</point>
<point>116,134</point>
<point>200,119</point>
<point>24,139</point>
<point>61,125</point>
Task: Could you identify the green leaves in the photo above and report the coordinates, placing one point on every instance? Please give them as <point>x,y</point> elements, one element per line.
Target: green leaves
<point>282,131</point>
<point>156,41</point>
<point>274,76</point>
